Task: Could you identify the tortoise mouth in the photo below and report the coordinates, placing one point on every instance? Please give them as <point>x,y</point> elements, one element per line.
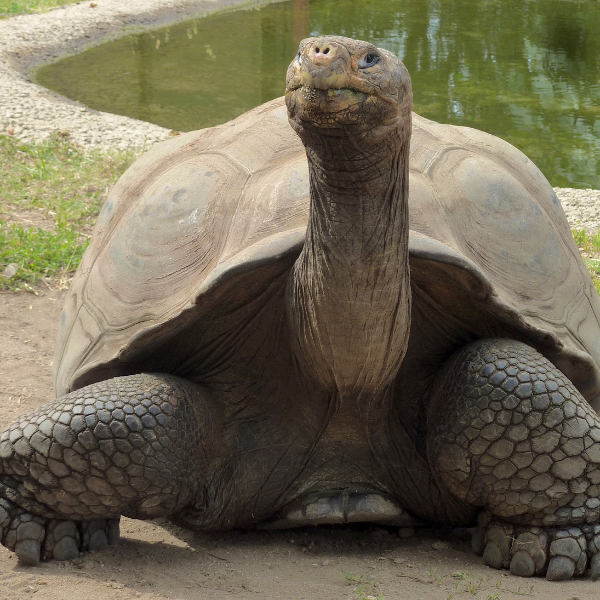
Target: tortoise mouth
<point>314,92</point>
<point>329,101</point>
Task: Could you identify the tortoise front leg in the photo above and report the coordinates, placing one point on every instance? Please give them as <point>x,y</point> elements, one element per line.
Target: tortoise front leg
<point>509,432</point>
<point>136,446</point>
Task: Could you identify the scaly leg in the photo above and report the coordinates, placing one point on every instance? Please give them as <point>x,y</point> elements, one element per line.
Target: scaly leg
<point>136,445</point>
<point>510,433</point>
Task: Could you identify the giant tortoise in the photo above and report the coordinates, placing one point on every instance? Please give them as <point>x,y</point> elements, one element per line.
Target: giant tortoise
<point>258,339</point>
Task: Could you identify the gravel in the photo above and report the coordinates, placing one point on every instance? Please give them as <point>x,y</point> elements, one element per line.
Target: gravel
<point>582,208</point>
<point>31,112</point>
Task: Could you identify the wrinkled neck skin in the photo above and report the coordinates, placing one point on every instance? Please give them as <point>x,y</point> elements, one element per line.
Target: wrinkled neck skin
<point>349,291</point>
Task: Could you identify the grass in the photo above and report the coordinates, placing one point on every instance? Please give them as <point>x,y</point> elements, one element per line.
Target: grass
<point>364,586</point>
<point>10,8</point>
<point>466,584</point>
<point>589,246</point>
<point>50,196</point>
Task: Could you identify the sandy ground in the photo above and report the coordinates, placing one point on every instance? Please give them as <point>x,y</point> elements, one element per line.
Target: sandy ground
<point>158,560</point>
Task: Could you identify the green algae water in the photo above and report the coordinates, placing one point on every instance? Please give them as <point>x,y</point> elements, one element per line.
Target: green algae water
<point>526,71</point>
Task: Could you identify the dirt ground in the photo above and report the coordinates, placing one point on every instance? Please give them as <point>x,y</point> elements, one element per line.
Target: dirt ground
<point>158,560</point>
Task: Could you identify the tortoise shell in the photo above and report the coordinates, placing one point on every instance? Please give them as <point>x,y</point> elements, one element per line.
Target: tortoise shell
<point>215,215</point>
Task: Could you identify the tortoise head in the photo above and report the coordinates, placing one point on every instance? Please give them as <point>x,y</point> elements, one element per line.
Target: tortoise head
<point>339,83</point>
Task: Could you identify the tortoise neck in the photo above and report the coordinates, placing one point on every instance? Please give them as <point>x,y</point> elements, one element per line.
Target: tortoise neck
<point>349,294</point>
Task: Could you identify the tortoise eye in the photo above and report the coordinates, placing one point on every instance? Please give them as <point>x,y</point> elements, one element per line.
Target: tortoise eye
<point>369,60</point>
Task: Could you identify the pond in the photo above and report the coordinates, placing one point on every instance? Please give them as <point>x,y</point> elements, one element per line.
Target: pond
<point>525,70</point>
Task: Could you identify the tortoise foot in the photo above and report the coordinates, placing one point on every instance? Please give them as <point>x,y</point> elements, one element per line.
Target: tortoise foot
<point>513,435</point>
<point>34,538</point>
<point>557,554</point>
<point>134,446</point>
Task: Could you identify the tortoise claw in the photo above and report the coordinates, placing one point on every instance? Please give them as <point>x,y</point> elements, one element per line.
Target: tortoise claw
<point>498,541</point>
<point>595,567</point>
<point>22,532</point>
<point>529,553</point>
<point>568,554</point>
<point>62,540</point>
<point>34,538</point>
<point>558,554</point>
<point>99,534</point>
<point>522,564</point>
<point>560,568</point>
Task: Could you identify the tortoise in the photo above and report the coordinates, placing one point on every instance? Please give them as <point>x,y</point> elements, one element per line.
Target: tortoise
<point>268,330</point>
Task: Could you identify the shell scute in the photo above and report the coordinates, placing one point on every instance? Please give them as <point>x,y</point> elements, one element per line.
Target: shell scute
<point>211,205</point>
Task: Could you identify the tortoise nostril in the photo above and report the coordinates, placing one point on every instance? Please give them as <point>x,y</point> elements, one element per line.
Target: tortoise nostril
<point>323,55</point>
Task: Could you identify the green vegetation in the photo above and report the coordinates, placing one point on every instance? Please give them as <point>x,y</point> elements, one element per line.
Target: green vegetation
<point>364,586</point>
<point>50,196</point>
<point>589,246</point>
<point>481,588</point>
<point>10,8</point>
